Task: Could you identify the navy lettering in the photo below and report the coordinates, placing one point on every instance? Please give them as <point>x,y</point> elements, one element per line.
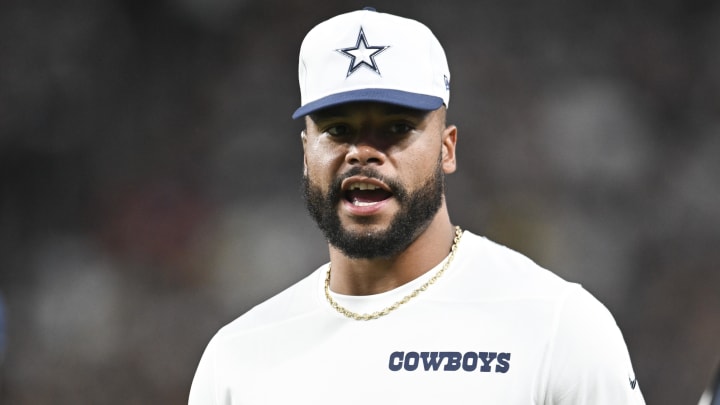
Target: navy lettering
<point>396,361</point>
<point>470,361</point>
<point>503,363</point>
<point>487,359</point>
<point>412,360</point>
<point>453,363</point>
<point>430,360</point>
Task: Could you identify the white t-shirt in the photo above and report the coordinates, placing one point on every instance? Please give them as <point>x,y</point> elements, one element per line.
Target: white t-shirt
<point>494,329</point>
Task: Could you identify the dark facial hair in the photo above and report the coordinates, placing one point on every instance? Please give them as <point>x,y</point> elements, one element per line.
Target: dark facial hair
<point>417,209</point>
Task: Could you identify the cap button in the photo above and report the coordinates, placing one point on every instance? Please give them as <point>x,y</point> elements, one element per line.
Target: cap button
<point>369,8</point>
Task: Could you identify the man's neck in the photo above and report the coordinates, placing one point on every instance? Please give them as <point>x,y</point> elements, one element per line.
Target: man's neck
<point>352,276</point>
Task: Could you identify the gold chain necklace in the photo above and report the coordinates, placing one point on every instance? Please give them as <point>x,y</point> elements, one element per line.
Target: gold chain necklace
<point>396,305</point>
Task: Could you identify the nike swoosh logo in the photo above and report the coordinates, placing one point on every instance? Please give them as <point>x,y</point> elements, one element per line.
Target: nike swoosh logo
<point>633,382</point>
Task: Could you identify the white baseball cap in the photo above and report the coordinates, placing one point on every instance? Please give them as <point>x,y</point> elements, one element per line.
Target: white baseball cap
<point>370,56</point>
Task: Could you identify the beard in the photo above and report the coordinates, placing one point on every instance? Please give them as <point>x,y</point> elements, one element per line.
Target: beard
<point>417,209</point>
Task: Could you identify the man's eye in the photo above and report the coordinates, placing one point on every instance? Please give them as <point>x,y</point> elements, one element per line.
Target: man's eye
<point>400,128</point>
<point>338,130</point>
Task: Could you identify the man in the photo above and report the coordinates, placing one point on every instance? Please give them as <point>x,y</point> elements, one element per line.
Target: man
<point>410,309</point>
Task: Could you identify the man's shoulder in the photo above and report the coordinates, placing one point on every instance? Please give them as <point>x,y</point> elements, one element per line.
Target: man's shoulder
<point>506,271</point>
<point>492,272</point>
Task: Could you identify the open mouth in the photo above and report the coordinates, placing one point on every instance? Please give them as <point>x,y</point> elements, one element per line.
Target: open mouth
<point>363,194</point>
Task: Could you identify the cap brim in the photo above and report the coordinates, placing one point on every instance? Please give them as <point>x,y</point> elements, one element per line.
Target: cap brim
<point>397,97</point>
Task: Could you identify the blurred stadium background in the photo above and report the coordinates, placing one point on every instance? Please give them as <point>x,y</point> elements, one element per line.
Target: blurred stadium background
<point>149,175</point>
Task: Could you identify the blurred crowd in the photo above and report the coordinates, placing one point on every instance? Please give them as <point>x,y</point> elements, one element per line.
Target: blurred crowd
<point>149,175</point>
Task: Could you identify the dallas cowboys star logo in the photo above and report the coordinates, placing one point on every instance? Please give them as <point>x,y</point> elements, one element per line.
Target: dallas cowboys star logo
<point>362,54</point>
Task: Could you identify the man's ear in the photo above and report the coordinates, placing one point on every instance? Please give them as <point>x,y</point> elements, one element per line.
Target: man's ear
<point>449,143</point>
<point>303,137</point>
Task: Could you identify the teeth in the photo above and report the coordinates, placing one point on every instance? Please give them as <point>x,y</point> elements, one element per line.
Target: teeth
<point>363,186</point>
<point>363,204</point>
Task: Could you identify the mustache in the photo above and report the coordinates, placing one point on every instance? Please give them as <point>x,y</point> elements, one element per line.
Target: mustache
<point>359,171</point>
<point>396,187</point>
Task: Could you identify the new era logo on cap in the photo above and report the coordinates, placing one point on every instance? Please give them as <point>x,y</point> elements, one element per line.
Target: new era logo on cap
<point>369,56</point>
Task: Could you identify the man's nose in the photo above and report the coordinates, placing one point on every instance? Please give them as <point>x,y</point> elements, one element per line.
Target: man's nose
<point>366,149</point>
<point>364,154</point>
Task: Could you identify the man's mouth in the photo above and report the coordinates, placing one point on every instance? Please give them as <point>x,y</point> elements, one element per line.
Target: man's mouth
<point>364,193</point>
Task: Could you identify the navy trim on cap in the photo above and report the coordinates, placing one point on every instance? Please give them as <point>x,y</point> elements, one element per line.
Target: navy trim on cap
<point>398,97</point>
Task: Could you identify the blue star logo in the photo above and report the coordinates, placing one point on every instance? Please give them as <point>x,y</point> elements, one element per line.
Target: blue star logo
<point>362,54</point>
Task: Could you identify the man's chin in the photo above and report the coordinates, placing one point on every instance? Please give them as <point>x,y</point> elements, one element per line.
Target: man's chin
<point>363,227</point>
<point>369,241</point>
